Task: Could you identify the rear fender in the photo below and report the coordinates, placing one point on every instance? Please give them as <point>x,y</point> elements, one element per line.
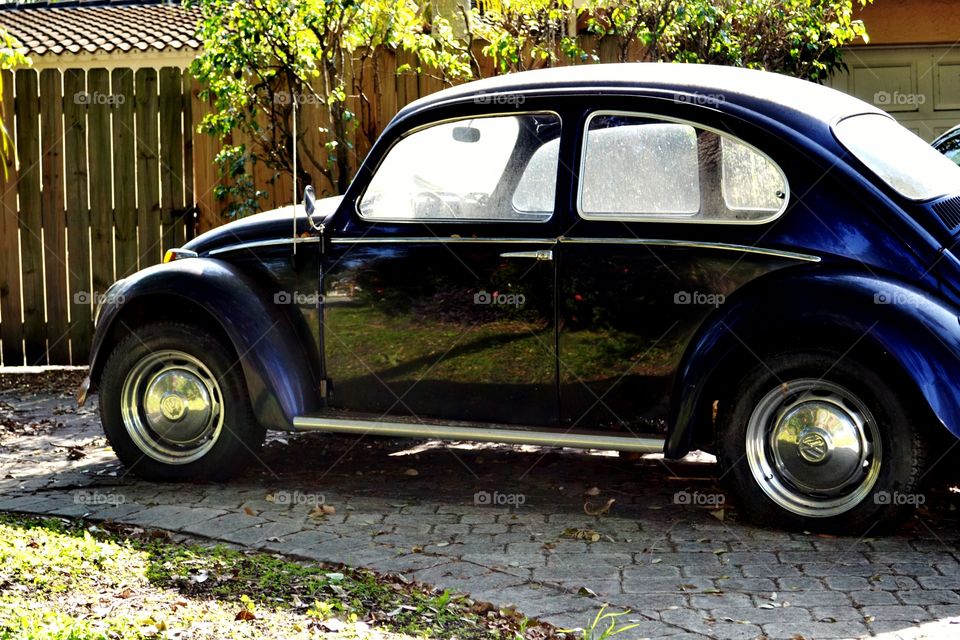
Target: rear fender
<point>915,332</point>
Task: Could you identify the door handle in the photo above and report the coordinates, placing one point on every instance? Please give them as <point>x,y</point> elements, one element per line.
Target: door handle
<point>543,254</point>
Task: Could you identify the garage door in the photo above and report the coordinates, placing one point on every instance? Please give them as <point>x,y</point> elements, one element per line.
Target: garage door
<point>919,86</point>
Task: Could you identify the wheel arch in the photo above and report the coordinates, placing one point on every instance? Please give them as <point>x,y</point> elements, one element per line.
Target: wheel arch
<point>917,345</point>
<point>282,382</point>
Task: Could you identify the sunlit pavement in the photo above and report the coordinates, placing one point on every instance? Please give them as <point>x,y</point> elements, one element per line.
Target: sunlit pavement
<point>511,525</point>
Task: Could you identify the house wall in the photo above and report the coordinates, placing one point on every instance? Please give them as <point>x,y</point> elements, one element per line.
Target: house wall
<point>912,22</point>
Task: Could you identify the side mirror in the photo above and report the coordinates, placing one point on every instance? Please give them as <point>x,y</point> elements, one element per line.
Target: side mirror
<point>466,134</point>
<point>309,200</point>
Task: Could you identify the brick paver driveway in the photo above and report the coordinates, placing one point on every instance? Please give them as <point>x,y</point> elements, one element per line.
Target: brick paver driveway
<point>511,525</point>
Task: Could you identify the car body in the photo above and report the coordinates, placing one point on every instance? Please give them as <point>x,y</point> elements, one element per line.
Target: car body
<point>637,257</point>
<point>948,143</point>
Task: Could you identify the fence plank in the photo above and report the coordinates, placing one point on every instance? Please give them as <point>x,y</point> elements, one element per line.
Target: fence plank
<point>188,125</point>
<point>101,187</point>
<point>78,214</point>
<point>124,173</point>
<point>53,216</point>
<point>11,325</point>
<point>171,156</point>
<point>204,171</point>
<point>28,188</point>
<point>148,189</point>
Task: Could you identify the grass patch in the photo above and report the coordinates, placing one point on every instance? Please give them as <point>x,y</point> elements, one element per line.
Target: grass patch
<point>64,580</point>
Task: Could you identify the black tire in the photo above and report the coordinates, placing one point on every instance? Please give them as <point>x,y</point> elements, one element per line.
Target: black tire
<point>767,498</point>
<point>222,454</point>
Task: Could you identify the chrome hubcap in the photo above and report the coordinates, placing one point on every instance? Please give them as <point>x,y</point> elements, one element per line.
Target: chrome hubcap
<point>171,407</point>
<point>813,447</point>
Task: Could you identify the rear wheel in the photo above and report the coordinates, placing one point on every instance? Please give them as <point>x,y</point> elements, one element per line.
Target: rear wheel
<point>812,441</point>
<point>174,405</point>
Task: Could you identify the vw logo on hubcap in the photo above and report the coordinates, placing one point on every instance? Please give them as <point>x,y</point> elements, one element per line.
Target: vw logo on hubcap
<point>813,446</point>
<point>173,407</point>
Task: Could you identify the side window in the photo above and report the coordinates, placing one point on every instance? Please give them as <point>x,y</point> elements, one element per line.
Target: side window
<point>498,168</point>
<point>641,168</point>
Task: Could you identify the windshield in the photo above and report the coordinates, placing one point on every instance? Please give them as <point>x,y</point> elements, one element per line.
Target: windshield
<point>900,158</point>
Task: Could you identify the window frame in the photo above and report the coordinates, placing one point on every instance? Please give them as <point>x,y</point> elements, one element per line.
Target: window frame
<point>670,218</point>
<point>459,221</point>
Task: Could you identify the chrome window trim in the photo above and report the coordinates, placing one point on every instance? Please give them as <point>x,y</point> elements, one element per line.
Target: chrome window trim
<point>447,240</point>
<point>406,134</point>
<point>254,244</point>
<point>721,246</point>
<point>668,218</point>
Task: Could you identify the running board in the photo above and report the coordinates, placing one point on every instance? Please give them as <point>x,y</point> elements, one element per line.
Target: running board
<point>495,433</point>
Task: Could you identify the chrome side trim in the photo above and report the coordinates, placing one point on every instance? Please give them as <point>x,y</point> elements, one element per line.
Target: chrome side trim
<point>494,433</point>
<point>445,240</point>
<point>721,246</point>
<point>264,243</point>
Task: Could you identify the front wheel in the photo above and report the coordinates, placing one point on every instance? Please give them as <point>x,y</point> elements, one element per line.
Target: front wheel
<point>174,405</point>
<point>810,441</point>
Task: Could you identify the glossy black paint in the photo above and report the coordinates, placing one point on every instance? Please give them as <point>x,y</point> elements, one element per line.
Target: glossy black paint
<point>603,338</point>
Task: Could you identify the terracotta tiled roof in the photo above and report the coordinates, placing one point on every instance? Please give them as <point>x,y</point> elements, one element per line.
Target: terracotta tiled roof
<point>80,28</point>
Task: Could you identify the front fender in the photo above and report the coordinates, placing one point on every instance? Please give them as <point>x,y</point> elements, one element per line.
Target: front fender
<point>918,332</point>
<point>281,380</point>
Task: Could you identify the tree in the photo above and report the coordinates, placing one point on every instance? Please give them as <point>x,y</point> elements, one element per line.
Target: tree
<point>798,37</point>
<point>11,56</point>
<point>261,56</point>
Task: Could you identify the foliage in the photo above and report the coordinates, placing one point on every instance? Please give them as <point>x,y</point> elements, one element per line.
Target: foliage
<point>260,57</point>
<point>11,56</point>
<point>526,34</point>
<point>797,37</point>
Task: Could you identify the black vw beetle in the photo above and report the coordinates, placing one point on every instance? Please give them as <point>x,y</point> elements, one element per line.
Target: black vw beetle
<point>652,258</point>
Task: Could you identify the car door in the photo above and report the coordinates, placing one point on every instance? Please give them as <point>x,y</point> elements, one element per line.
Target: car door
<point>667,225</point>
<point>439,288</point>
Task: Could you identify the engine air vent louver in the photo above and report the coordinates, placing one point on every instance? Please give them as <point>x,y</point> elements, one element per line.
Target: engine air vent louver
<point>949,212</point>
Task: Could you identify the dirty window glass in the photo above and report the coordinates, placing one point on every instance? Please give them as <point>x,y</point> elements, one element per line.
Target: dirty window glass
<point>750,182</point>
<point>632,167</point>
<point>501,168</point>
<point>639,167</point>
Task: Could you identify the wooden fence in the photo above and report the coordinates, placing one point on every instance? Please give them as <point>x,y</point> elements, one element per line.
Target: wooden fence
<point>106,161</point>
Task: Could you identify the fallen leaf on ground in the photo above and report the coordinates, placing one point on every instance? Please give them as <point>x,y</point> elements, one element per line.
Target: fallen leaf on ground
<point>574,533</point>
<point>591,511</point>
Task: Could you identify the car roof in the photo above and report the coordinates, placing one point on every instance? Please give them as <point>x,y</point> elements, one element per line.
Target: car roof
<point>772,93</point>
